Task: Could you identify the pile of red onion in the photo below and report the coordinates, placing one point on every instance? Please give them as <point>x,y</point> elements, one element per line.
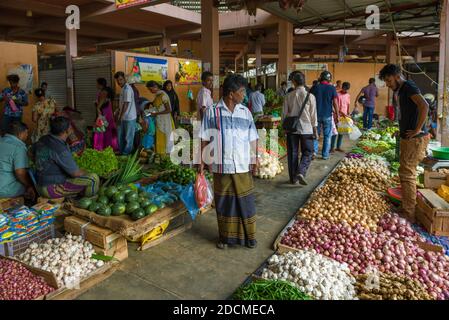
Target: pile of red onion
<point>18,283</point>
<point>361,249</point>
<point>399,228</point>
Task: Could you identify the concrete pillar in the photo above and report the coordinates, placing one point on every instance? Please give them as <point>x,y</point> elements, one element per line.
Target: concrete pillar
<point>245,62</point>
<point>443,88</point>
<point>71,50</point>
<point>392,53</point>
<point>285,50</point>
<point>418,55</point>
<point>259,54</point>
<point>165,44</point>
<point>210,41</point>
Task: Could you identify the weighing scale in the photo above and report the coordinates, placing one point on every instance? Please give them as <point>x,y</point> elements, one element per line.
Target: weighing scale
<point>434,164</point>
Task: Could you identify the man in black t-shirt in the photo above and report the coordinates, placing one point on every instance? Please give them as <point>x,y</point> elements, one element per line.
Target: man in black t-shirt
<point>413,110</point>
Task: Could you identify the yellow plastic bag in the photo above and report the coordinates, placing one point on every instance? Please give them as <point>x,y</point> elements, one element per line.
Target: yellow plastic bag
<point>345,125</point>
<point>156,233</point>
<point>443,192</point>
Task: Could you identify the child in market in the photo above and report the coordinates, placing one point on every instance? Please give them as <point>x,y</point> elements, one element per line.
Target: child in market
<point>343,102</point>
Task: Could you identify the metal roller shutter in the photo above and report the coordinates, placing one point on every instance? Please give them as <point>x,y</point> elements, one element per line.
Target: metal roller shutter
<point>56,80</point>
<point>86,71</point>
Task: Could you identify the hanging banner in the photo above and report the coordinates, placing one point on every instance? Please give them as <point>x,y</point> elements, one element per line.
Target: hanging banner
<point>189,72</point>
<point>120,4</point>
<point>142,70</point>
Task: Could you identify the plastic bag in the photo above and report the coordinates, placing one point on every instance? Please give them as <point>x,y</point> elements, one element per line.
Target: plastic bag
<point>203,191</point>
<point>188,198</point>
<point>345,126</point>
<point>355,134</point>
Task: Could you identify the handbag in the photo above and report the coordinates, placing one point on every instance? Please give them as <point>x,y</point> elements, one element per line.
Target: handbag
<point>292,124</point>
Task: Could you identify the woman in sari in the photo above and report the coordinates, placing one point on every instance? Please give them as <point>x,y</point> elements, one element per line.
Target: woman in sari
<point>42,112</point>
<point>105,130</point>
<point>161,110</point>
<point>174,99</point>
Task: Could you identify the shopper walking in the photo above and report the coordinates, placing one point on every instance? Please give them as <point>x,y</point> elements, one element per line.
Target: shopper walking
<point>301,104</point>
<point>204,99</point>
<point>412,130</point>
<point>174,100</point>
<point>15,100</point>
<point>257,102</point>
<point>228,130</point>
<point>162,110</point>
<point>126,115</point>
<point>283,90</point>
<point>326,101</point>
<point>105,134</point>
<point>43,110</point>
<point>343,102</point>
<point>368,95</point>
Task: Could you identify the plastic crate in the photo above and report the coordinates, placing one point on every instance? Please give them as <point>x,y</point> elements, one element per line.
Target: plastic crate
<point>16,247</point>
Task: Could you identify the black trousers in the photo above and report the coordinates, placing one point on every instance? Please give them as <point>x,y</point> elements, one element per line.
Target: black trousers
<point>296,167</point>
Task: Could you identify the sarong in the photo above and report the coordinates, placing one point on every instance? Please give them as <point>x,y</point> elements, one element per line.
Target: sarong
<point>236,209</point>
<point>86,186</point>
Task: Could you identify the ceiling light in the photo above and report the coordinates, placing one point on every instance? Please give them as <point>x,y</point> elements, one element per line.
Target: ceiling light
<point>29,13</point>
<point>40,43</point>
<point>174,44</point>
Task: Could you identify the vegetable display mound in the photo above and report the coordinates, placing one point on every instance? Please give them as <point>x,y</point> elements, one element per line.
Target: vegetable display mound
<point>18,283</point>
<point>103,163</point>
<point>180,175</point>
<point>347,201</point>
<point>270,290</point>
<point>371,178</point>
<point>313,274</point>
<point>381,286</point>
<point>392,250</point>
<point>269,166</point>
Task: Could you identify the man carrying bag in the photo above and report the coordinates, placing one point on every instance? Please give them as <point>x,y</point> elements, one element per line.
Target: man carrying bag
<point>300,122</point>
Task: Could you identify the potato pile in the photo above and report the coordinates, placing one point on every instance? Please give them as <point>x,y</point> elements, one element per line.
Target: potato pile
<point>346,201</point>
<point>389,287</point>
<point>372,173</point>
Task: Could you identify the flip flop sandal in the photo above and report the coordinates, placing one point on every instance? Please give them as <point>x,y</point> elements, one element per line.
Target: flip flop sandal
<point>222,246</point>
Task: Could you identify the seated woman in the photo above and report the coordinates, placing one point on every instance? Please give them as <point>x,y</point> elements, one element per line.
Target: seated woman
<point>58,175</point>
<point>14,179</point>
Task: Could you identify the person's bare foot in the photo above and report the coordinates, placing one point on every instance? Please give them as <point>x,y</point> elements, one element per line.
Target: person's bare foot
<point>339,150</point>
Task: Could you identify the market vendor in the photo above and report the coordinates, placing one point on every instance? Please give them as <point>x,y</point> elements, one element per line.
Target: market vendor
<point>413,132</point>
<point>228,131</point>
<point>58,175</point>
<point>257,101</point>
<point>15,100</point>
<point>14,179</point>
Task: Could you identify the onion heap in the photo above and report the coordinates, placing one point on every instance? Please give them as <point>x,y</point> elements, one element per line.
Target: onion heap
<point>362,250</point>
<point>371,178</point>
<point>378,165</point>
<point>381,286</point>
<point>18,283</point>
<point>313,274</point>
<point>68,258</point>
<point>350,202</point>
<point>269,166</point>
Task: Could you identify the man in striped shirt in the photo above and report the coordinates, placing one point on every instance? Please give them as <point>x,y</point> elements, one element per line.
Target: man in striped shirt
<point>229,147</point>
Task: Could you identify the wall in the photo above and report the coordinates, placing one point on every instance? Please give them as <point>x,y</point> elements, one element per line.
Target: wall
<point>11,56</point>
<point>185,104</point>
<point>357,74</point>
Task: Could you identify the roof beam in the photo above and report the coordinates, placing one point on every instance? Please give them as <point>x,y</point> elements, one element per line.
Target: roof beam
<point>175,12</point>
<point>91,11</point>
<point>240,20</point>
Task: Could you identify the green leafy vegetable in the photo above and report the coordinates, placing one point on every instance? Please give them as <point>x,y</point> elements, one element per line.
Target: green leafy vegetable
<point>102,163</point>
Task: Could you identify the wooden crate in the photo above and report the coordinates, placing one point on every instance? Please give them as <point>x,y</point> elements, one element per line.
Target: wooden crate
<point>433,179</point>
<point>118,250</point>
<point>432,212</point>
<point>98,236</point>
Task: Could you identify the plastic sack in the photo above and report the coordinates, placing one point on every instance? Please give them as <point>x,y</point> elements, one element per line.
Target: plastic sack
<point>188,198</point>
<point>345,126</point>
<point>356,133</point>
<point>203,191</point>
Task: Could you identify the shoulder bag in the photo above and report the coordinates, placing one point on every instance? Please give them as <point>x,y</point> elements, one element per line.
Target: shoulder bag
<point>292,124</point>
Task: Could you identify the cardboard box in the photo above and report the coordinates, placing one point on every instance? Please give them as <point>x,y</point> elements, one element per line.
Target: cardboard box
<point>118,251</point>
<point>98,236</point>
<point>433,212</point>
<point>433,179</point>
<point>8,203</point>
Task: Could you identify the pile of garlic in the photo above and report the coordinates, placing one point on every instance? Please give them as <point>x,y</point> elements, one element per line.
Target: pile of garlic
<point>269,166</point>
<point>313,274</point>
<point>68,258</point>
<point>379,165</point>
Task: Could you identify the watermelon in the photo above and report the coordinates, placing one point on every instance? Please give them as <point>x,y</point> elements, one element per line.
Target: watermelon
<point>127,191</point>
<point>145,202</point>
<point>104,211</point>
<point>111,191</point>
<point>138,214</point>
<point>118,209</point>
<point>84,203</point>
<point>103,200</point>
<point>149,210</point>
<point>119,197</point>
<point>132,197</point>
<point>102,191</point>
<point>131,207</point>
<point>94,206</point>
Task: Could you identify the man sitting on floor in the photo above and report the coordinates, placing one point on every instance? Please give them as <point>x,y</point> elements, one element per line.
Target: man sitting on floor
<point>58,175</point>
<point>14,179</point>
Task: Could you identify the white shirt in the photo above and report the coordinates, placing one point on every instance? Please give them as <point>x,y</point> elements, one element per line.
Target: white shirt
<point>257,100</point>
<point>230,134</point>
<point>127,95</point>
<point>204,98</point>
<point>292,106</point>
